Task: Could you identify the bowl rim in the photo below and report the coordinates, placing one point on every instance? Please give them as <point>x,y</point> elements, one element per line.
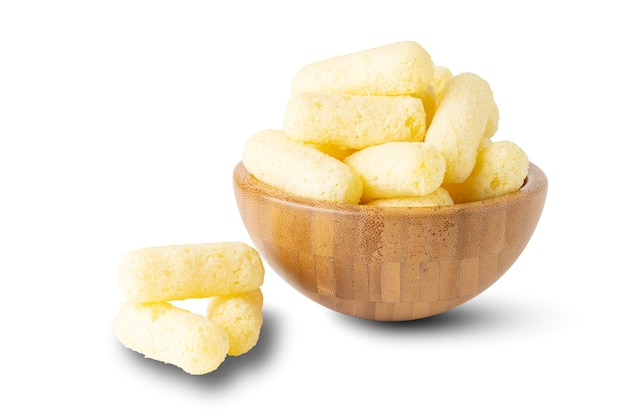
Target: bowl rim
<point>534,182</point>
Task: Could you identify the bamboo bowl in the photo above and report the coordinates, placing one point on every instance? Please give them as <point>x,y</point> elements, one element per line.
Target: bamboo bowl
<point>389,264</point>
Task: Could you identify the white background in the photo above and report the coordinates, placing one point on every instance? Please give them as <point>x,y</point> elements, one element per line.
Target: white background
<point>121,123</point>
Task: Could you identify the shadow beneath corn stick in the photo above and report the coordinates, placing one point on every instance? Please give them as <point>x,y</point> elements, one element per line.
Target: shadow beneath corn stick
<point>233,368</point>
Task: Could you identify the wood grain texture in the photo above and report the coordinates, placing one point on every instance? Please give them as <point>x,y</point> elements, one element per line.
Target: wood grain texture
<point>389,263</point>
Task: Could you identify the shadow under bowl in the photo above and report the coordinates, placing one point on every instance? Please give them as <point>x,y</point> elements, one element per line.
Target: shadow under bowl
<point>389,263</point>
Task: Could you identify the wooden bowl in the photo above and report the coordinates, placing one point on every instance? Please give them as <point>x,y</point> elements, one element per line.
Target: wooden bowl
<point>389,263</point>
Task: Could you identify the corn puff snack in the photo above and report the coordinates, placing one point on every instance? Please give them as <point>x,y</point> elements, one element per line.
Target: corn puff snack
<point>229,274</point>
<point>354,122</point>
<point>172,335</point>
<point>441,75</point>
<point>401,68</point>
<point>398,169</point>
<point>439,197</point>
<point>501,168</point>
<point>240,315</point>
<point>302,170</point>
<point>428,96</point>
<point>347,106</point>
<point>179,272</point>
<point>460,124</point>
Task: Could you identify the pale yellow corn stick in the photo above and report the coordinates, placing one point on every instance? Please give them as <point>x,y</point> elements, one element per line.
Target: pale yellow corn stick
<point>169,334</point>
<point>354,121</point>
<point>401,68</point>
<point>439,197</point>
<point>493,119</point>
<point>501,167</point>
<point>460,124</point>
<point>240,315</point>
<point>179,272</point>
<point>398,169</point>
<point>441,75</point>
<point>273,158</point>
<point>429,101</point>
